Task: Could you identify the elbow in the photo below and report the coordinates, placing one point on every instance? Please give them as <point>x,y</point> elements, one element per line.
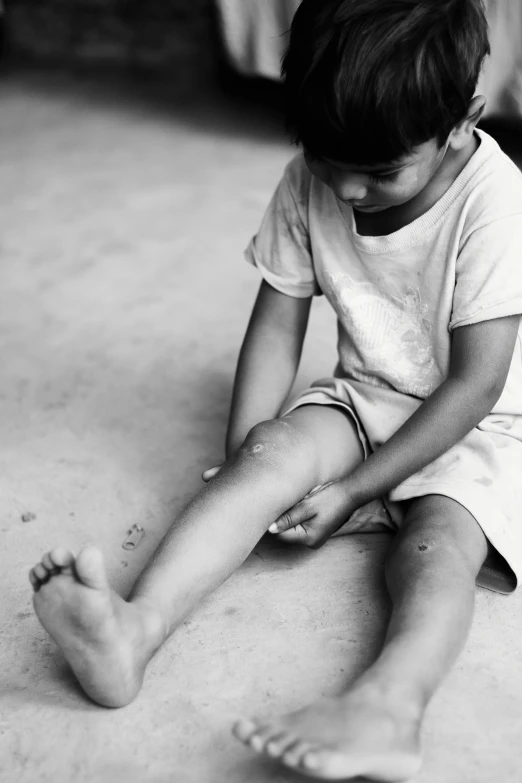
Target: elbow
<point>496,386</point>
<point>480,395</point>
<point>490,393</point>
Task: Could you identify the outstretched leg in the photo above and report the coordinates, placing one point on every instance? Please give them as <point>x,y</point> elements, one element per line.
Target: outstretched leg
<point>373,729</point>
<point>109,641</point>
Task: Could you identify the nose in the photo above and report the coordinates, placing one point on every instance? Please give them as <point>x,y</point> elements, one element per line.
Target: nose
<point>348,186</point>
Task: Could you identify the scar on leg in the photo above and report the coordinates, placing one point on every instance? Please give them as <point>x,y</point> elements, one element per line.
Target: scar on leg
<point>257,447</point>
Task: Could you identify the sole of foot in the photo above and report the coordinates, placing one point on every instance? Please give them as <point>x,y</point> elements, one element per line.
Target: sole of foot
<point>356,735</point>
<point>106,640</point>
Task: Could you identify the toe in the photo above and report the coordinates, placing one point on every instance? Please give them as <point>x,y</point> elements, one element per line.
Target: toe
<point>332,765</point>
<point>295,753</point>
<point>264,739</point>
<point>34,579</point>
<point>262,736</point>
<point>48,563</point>
<point>41,572</point>
<point>244,729</point>
<point>90,569</point>
<point>61,558</point>
<point>279,744</point>
<point>312,761</point>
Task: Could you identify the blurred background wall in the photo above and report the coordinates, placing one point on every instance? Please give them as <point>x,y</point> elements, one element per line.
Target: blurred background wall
<point>175,37</point>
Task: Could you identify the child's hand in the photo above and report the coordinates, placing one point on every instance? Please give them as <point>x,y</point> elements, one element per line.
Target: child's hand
<point>209,473</point>
<point>317,516</point>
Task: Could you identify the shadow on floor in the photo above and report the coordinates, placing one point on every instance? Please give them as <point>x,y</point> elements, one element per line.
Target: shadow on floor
<point>248,108</point>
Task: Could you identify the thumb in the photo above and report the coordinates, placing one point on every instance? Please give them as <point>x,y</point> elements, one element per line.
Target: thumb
<point>296,515</point>
<point>211,472</point>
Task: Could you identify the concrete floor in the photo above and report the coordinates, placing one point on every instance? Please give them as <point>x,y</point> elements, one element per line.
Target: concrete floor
<point>123,302</point>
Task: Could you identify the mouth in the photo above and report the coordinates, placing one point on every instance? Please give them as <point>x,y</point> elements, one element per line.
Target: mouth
<point>357,205</point>
<point>365,207</point>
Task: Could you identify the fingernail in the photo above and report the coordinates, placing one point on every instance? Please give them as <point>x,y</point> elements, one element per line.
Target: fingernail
<point>273,528</point>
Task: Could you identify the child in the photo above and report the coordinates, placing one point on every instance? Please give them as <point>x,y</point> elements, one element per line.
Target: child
<point>409,221</point>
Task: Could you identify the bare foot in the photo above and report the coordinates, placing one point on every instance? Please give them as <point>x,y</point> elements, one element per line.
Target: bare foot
<point>106,640</point>
<point>359,734</point>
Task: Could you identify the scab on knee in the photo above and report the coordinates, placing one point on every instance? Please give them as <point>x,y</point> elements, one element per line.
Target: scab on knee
<point>253,448</point>
<point>423,547</point>
<point>270,442</point>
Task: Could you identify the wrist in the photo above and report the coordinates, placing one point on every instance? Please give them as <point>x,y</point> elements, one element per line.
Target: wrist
<point>356,490</point>
<point>232,446</point>
<point>233,441</point>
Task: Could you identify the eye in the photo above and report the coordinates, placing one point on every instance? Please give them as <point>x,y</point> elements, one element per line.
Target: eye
<point>384,179</point>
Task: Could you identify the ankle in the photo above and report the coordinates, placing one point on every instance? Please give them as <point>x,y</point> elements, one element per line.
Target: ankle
<point>154,627</point>
<point>399,695</point>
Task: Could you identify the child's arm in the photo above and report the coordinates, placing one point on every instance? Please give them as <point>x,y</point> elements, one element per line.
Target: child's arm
<point>481,357</point>
<point>268,361</point>
<point>480,361</point>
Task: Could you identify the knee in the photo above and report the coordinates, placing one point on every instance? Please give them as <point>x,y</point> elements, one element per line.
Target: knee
<point>276,444</point>
<point>435,530</point>
<point>419,542</point>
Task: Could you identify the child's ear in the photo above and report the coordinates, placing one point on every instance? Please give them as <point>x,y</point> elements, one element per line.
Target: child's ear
<point>463,131</point>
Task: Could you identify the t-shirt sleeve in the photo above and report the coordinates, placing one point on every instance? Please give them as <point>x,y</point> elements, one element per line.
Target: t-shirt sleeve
<point>489,273</point>
<point>281,248</point>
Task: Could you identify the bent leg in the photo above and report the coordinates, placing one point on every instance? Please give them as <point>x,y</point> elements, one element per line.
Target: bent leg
<point>108,641</point>
<point>372,730</point>
<point>278,464</point>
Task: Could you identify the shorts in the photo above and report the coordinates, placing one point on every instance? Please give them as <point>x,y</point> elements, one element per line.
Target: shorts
<point>483,472</point>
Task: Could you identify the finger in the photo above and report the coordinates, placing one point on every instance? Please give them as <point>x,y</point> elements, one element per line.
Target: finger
<point>312,533</point>
<point>318,488</point>
<point>297,515</point>
<point>210,473</point>
<point>295,535</point>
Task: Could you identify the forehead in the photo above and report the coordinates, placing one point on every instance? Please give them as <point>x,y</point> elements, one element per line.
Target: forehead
<point>417,155</point>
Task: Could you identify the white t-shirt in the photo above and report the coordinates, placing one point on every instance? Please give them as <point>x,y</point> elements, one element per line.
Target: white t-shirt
<point>398,297</point>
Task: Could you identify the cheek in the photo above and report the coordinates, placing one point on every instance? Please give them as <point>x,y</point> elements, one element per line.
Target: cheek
<point>406,189</point>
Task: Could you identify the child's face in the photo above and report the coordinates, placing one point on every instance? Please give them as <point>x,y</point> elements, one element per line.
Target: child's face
<point>379,187</point>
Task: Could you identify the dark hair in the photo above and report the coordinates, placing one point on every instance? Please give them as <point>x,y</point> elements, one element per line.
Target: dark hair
<point>366,81</point>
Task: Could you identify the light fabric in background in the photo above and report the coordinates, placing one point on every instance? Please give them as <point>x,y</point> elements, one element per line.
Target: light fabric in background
<point>255,34</point>
<point>501,81</point>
